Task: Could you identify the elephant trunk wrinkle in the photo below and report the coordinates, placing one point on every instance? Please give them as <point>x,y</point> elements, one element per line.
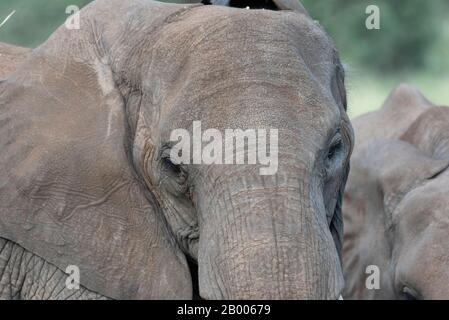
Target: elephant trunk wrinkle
<point>265,243</point>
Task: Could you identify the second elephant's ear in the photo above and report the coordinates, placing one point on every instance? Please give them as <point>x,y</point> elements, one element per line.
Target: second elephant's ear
<point>402,107</point>
<point>10,58</point>
<point>68,190</point>
<point>430,133</point>
<point>395,168</point>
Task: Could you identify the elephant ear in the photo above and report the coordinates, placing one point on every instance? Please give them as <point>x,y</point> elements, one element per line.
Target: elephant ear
<point>391,169</point>
<point>68,189</point>
<point>10,58</point>
<point>430,133</point>
<point>402,107</point>
<point>401,167</point>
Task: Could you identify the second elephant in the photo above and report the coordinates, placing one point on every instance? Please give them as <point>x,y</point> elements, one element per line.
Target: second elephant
<point>396,202</point>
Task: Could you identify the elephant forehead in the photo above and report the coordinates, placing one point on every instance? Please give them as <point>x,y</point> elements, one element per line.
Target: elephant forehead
<point>209,45</point>
<point>250,39</point>
<point>236,68</point>
<point>253,105</point>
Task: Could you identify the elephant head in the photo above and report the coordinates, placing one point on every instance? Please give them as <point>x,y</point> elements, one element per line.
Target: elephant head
<point>86,173</point>
<point>395,207</point>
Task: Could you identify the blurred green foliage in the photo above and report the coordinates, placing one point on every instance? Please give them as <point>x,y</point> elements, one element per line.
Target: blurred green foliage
<point>34,20</point>
<point>412,44</point>
<point>409,31</point>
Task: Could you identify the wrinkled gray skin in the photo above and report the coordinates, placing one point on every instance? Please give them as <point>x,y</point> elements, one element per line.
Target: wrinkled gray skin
<point>396,205</point>
<point>10,58</point>
<point>85,180</point>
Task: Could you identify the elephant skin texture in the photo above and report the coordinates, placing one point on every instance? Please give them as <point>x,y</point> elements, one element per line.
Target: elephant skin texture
<point>10,58</point>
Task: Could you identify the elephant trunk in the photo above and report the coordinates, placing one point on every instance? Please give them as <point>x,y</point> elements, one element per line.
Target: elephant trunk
<point>268,238</point>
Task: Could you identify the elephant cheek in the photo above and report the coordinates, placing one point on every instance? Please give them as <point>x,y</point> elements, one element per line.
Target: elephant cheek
<point>173,279</point>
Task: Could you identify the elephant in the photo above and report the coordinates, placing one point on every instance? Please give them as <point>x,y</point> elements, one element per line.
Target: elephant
<point>395,205</point>
<point>87,182</point>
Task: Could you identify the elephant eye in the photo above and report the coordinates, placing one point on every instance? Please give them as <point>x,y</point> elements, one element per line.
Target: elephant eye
<point>335,148</point>
<point>334,156</point>
<point>169,166</point>
<point>173,170</point>
<point>174,176</point>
